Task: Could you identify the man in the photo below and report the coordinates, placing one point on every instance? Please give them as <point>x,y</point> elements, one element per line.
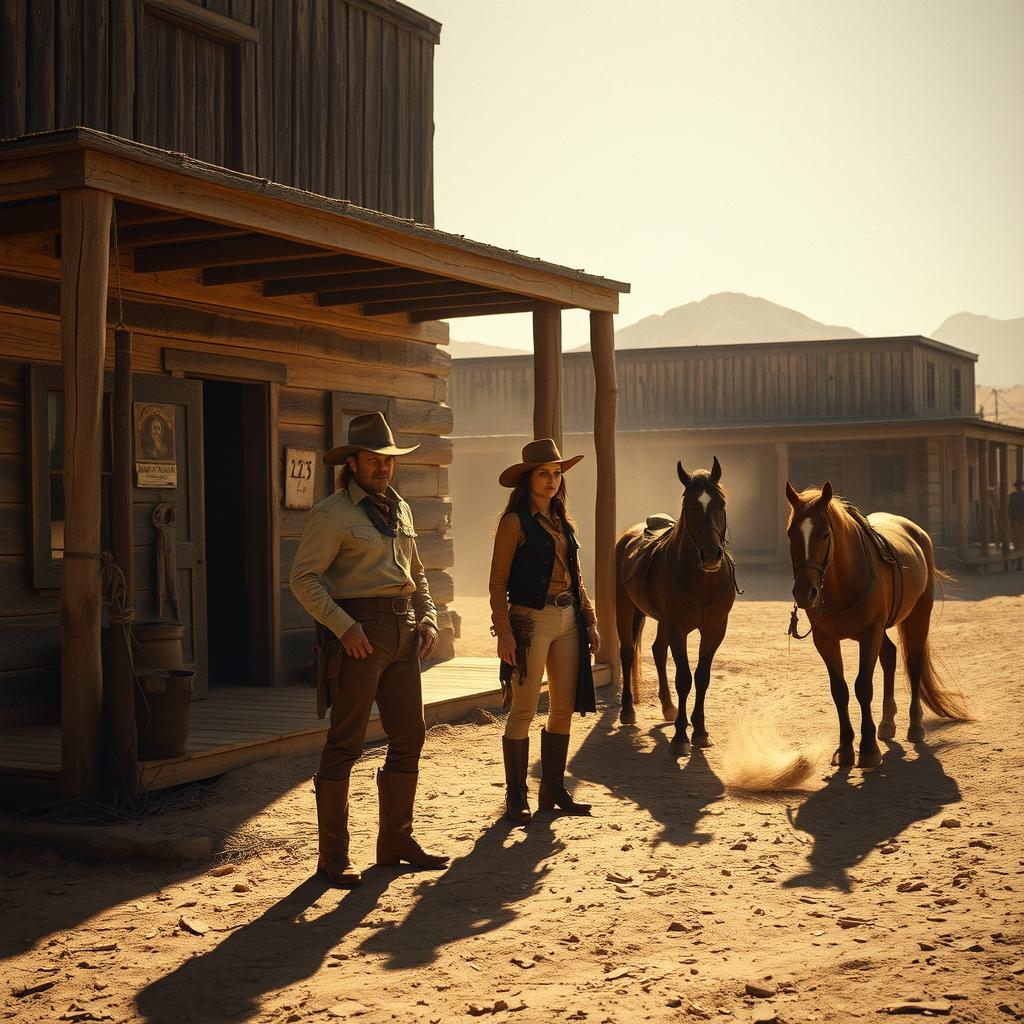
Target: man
<point>358,573</point>
<point>1016,511</point>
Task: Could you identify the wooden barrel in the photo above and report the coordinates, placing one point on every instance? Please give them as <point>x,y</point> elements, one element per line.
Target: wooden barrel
<point>163,704</point>
<point>158,645</point>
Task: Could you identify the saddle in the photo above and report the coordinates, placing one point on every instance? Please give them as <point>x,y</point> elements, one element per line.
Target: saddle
<point>641,549</point>
<point>883,545</point>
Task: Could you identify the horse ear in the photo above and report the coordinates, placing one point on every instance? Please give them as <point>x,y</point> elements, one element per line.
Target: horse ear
<point>791,495</point>
<point>716,470</point>
<point>826,493</point>
<point>684,477</point>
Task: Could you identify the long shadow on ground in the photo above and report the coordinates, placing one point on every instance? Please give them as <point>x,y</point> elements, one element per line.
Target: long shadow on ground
<point>847,822</point>
<point>677,794</point>
<point>476,895</point>
<point>274,951</point>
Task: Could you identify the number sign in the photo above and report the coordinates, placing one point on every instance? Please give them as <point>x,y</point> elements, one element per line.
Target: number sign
<point>299,466</point>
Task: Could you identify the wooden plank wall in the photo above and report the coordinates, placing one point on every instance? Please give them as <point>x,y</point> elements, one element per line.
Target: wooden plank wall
<point>336,98</point>
<point>695,387</point>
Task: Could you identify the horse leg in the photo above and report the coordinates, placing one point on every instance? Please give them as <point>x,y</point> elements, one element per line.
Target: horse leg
<point>710,640</point>
<point>831,654</point>
<point>659,649</point>
<point>869,755</point>
<point>914,633</point>
<point>630,622</point>
<point>887,656</point>
<point>677,642</point>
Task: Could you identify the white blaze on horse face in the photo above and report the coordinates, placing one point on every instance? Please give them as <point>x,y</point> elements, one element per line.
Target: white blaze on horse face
<point>705,499</point>
<point>805,528</point>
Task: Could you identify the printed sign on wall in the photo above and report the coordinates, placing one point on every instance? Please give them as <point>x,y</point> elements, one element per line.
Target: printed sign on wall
<point>299,466</point>
<point>156,463</point>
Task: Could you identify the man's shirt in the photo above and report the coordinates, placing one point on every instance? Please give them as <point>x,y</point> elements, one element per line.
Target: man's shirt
<point>342,555</point>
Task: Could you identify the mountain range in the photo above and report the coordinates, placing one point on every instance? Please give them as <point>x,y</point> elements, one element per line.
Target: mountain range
<point>735,318</point>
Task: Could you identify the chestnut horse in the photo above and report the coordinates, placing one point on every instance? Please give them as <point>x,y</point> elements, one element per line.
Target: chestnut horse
<point>680,574</point>
<point>857,576</point>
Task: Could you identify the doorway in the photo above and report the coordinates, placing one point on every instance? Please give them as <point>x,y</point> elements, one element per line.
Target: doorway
<point>238,532</point>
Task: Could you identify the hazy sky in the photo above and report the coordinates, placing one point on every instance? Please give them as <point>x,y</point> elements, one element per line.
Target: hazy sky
<point>861,161</point>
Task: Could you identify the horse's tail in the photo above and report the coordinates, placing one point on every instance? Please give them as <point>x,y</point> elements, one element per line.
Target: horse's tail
<point>637,675</point>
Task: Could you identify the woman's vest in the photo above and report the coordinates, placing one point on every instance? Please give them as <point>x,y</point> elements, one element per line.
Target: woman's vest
<point>534,562</point>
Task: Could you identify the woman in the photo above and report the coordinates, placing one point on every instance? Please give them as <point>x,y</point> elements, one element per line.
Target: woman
<point>542,618</point>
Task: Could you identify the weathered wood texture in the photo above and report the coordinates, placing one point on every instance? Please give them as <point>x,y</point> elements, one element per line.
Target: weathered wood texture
<point>331,96</point>
<point>726,384</point>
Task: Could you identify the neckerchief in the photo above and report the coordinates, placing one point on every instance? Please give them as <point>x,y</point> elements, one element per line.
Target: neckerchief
<point>382,513</point>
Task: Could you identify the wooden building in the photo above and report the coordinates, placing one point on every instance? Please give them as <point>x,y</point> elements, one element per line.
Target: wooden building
<point>889,420</point>
<point>252,200</point>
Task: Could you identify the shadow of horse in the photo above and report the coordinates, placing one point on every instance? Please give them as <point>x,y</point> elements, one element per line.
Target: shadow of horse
<point>276,950</point>
<point>847,822</point>
<point>676,794</point>
<point>476,895</point>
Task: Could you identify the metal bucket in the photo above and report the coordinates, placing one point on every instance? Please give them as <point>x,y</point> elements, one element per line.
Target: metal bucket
<point>163,704</point>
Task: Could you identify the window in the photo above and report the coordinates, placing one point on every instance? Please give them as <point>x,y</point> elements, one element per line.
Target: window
<point>888,478</point>
<point>46,452</point>
<point>957,401</point>
<point>930,385</point>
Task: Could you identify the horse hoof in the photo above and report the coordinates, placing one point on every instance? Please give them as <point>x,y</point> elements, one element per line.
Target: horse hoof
<point>915,734</point>
<point>680,748</point>
<point>702,739</point>
<point>887,731</point>
<point>669,712</point>
<point>869,758</point>
<point>843,757</point>
<point>627,716</point>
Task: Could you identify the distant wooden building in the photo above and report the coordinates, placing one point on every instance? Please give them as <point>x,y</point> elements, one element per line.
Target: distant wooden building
<point>889,420</point>
<point>253,196</point>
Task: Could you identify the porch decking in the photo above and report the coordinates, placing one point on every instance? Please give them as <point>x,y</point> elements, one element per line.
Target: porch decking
<point>238,725</point>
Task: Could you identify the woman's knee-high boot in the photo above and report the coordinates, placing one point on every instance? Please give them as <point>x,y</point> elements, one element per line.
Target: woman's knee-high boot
<point>554,749</point>
<point>517,756</point>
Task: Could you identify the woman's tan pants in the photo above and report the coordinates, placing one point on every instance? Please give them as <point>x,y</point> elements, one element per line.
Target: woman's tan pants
<point>555,646</point>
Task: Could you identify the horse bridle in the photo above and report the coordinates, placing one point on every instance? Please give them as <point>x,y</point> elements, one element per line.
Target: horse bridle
<point>718,534</point>
<point>822,566</point>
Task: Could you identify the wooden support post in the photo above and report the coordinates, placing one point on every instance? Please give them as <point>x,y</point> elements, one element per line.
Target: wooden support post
<point>121,692</point>
<point>1020,464</point>
<point>547,371</point>
<point>781,478</point>
<point>1004,497</point>
<point>983,508</point>
<point>85,258</point>
<point>962,499</point>
<point>606,392</point>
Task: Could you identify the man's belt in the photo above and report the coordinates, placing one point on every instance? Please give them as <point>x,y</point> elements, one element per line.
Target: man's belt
<point>375,605</point>
<point>563,600</point>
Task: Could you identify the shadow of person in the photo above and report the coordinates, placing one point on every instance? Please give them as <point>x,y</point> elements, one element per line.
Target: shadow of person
<point>279,948</point>
<point>676,793</point>
<point>846,822</point>
<point>476,895</point>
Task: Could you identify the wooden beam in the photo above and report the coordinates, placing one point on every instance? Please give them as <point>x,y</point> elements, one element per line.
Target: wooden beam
<point>249,248</point>
<point>457,311</point>
<point>42,216</point>
<point>360,277</point>
<point>209,364</point>
<point>962,497</point>
<point>85,226</point>
<point>447,290</point>
<point>1004,495</point>
<point>781,478</point>
<point>420,305</point>
<point>547,371</point>
<point>183,229</point>
<point>270,270</point>
<point>606,393</point>
<point>983,497</point>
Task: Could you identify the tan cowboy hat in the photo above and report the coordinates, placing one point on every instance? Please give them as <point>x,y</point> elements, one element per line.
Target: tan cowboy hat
<point>537,453</point>
<point>369,433</point>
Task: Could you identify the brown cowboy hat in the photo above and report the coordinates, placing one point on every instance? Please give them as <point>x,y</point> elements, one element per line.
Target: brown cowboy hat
<point>369,433</point>
<point>537,453</point>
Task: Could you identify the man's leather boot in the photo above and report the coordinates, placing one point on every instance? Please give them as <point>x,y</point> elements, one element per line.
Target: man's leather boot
<point>517,757</point>
<point>554,748</point>
<point>332,826</point>
<point>395,842</point>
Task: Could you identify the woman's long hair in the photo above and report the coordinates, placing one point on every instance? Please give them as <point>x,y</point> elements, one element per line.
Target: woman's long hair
<point>520,499</point>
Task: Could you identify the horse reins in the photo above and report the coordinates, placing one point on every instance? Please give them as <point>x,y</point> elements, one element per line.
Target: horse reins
<point>724,545</point>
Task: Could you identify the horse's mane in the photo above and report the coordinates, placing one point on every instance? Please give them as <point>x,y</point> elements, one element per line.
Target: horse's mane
<point>700,480</point>
<point>843,506</point>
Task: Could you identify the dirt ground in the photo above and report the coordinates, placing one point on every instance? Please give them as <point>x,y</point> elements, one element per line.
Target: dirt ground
<point>680,899</point>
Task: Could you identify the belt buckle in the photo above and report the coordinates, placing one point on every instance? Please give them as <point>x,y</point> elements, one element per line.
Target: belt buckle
<point>399,605</point>
<point>563,600</point>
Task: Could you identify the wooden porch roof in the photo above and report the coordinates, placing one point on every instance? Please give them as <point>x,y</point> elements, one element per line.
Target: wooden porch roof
<point>194,229</point>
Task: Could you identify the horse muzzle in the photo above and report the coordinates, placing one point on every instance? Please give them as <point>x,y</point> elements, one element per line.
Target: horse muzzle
<point>809,599</point>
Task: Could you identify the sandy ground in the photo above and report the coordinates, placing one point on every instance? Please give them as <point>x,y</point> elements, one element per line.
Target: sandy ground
<point>679,900</point>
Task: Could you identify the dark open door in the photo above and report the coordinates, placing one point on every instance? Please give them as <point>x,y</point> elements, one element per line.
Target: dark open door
<point>176,410</point>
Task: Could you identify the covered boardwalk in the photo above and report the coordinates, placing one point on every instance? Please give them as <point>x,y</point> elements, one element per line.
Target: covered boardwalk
<point>224,276</point>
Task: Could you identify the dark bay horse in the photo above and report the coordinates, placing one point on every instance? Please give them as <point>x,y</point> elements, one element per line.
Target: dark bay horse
<point>856,577</point>
<point>680,574</point>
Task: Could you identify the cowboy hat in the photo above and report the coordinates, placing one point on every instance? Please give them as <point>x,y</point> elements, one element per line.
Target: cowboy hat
<point>369,433</point>
<point>541,452</point>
